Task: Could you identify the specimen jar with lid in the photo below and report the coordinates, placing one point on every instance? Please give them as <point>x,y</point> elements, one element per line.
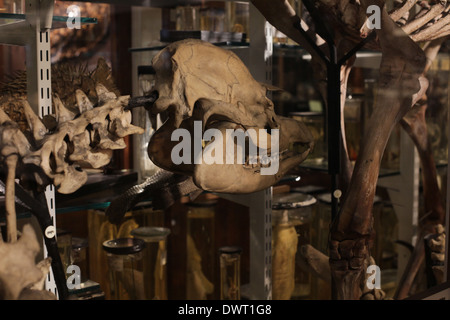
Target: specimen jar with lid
<point>291,229</point>
<point>230,272</point>
<point>125,268</point>
<point>154,261</point>
<point>201,255</point>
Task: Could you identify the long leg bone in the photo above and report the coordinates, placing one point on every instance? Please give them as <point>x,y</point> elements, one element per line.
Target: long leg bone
<point>15,144</point>
<point>414,123</point>
<point>401,84</point>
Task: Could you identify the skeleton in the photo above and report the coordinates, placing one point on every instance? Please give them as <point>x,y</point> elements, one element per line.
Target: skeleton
<point>56,150</point>
<point>197,81</point>
<point>402,84</point>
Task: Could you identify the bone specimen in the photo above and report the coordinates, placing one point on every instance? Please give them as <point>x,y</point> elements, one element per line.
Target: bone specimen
<point>199,82</point>
<point>20,276</point>
<point>396,39</point>
<point>196,80</point>
<point>54,150</point>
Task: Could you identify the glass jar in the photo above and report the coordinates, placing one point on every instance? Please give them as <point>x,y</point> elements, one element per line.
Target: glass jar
<point>291,229</point>
<point>80,256</point>
<point>125,268</point>
<point>230,273</point>
<point>237,16</point>
<point>200,250</point>
<point>101,230</point>
<point>146,215</point>
<point>154,261</point>
<point>315,122</point>
<point>64,242</point>
<point>12,6</point>
<point>141,118</point>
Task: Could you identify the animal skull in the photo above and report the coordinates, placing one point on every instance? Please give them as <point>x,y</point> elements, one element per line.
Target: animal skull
<point>197,81</point>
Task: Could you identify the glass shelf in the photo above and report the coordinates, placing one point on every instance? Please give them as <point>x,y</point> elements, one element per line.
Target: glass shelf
<point>227,44</point>
<point>58,21</point>
<point>322,166</point>
<point>97,193</point>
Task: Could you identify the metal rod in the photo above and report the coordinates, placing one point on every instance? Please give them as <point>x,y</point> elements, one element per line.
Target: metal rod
<point>358,47</point>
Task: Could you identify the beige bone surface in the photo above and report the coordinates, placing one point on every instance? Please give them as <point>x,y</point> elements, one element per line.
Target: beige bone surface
<point>197,81</point>
<point>18,269</point>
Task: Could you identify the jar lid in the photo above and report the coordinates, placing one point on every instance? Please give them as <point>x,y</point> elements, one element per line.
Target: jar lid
<point>78,243</point>
<point>230,249</point>
<point>124,246</point>
<point>292,200</point>
<point>306,113</point>
<point>150,233</point>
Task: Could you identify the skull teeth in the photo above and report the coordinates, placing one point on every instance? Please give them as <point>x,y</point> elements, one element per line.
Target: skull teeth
<point>259,161</point>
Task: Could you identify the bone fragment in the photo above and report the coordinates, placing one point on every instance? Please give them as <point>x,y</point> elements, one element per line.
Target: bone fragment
<point>11,219</point>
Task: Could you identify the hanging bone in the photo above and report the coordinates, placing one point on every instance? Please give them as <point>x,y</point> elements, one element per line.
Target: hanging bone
<point>349,20</point>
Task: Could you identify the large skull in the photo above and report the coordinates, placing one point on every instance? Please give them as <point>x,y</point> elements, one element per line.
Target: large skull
<point>199,82</point>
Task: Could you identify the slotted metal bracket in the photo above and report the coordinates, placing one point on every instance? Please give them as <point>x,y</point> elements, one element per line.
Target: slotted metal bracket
<point>260,211</point>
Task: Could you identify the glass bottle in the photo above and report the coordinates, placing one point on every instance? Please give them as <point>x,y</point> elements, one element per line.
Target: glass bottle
<point>291,221</point>
<point>200,239</point>
<point>125,268</point>
<point>79,256</point>
<point>230,273</point>
<point>315,121</point>
<point>64,242</point>
<point>154,261</point>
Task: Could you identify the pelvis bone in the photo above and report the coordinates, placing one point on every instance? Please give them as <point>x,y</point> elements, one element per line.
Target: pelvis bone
<point>197,82</point>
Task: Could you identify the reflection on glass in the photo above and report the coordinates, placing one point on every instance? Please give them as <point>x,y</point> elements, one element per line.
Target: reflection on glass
<point>64,242</point>
<point>314,121</point>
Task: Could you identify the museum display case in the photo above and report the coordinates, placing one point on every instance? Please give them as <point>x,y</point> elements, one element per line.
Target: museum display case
<point>122,220</point>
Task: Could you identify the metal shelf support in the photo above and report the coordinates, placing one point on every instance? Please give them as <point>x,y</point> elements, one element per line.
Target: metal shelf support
<point>260,211</point>
<point>34,34</point>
